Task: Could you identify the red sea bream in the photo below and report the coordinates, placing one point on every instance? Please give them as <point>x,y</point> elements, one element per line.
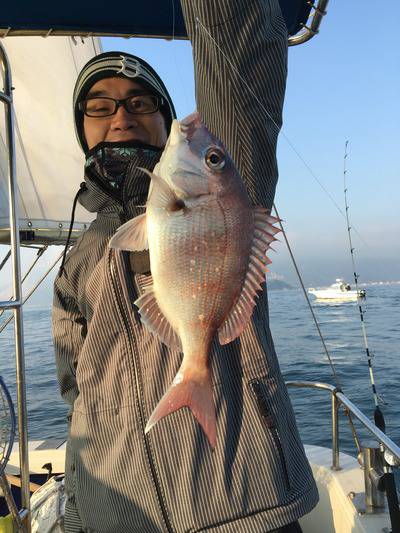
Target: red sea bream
<point>207,247</point>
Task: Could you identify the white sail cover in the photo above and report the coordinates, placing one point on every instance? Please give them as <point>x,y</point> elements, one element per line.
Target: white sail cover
<point>49,160</point>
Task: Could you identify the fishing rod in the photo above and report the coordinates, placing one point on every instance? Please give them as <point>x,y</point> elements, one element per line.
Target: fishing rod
<point>379,419</point>
<point>378,415</point>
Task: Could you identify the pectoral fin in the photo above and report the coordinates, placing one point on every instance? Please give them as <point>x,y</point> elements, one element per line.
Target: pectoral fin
<point>131,236</point>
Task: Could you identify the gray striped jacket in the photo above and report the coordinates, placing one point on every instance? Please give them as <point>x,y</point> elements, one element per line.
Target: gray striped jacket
<point>113,372</point>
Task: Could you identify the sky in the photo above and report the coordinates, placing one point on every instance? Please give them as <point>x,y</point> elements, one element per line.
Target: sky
<point>342,85</point>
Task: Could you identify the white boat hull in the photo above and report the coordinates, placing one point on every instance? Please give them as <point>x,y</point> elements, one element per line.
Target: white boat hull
<point>340,291</point>
<point>326,294</point>
<point>335,512</point>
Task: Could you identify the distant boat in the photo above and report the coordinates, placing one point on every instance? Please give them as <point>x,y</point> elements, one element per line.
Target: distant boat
<point>340,290</point>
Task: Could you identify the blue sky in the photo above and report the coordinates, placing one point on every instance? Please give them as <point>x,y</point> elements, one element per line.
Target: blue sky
<point>342,85</point>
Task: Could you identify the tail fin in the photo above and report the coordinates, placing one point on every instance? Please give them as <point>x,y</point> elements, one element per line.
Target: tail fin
<point>195,394</point>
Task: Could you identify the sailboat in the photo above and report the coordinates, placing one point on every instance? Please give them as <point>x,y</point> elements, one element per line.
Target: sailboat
<point>35,214</point>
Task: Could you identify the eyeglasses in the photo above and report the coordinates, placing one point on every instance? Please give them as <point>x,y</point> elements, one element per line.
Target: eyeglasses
<point>143,104</point>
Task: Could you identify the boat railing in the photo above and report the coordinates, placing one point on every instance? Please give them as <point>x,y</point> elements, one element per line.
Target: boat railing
<point>392,451</point>
<point>15,303</point>
<point>311,28</point>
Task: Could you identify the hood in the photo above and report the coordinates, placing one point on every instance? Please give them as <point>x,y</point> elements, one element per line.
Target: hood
<point>121,65</point>
<point>114,183</point>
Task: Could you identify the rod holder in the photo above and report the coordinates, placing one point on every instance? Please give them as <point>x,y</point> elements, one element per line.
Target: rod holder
<point>373,477</point>
<point>335,433</point>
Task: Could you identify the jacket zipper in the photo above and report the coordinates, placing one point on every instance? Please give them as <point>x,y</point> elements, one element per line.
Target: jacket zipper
<point>258,390</point>
<point>124,313</point>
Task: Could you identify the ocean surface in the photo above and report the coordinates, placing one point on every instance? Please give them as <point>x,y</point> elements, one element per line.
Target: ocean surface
<point>299,350</point>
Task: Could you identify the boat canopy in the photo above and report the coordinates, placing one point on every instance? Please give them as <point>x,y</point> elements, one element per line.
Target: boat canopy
<point>49,160</point>
<point>159,18</point>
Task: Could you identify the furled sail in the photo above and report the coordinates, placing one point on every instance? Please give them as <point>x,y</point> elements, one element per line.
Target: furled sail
<point>49,160</point>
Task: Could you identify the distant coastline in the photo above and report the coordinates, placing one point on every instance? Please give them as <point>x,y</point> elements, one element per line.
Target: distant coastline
<point>43,298</point>
<point>278,285</point>
<point>275,284</point>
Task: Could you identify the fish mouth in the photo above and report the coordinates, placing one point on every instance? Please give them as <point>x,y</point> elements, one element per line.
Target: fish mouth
<point>183,131</point>
<point>181,166</point>
<point>177,135</point>
<point>189,125</point>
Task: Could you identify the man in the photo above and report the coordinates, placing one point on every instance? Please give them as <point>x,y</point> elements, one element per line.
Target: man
<point>111,370</point>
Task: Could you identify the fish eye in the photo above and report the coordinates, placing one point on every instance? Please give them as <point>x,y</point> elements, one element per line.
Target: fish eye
<point>215,158</point>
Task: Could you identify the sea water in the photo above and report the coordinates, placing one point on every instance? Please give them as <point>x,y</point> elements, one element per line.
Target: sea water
<point>299,350</point>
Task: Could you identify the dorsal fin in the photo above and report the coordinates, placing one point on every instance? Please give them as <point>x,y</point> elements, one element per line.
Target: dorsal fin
<point>155,321</point>
<point>240,314</point>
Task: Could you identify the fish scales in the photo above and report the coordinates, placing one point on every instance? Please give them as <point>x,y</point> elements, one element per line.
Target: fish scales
<point>207,247</point>
<point>199,249</point>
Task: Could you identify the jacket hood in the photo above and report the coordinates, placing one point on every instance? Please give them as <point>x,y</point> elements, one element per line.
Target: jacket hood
<point>114,182</point>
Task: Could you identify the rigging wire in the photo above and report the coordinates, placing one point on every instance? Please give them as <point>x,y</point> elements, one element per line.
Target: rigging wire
<point>282,133</point>
<point>5,259</point>
<point>335,375</point>
<point>39,254</point>
<point>37,284</point>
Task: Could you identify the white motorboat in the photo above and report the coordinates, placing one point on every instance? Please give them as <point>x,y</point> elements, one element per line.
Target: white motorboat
<point>340,290</point>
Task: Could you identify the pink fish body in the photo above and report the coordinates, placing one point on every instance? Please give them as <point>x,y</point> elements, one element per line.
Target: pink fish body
<point>207,247</point>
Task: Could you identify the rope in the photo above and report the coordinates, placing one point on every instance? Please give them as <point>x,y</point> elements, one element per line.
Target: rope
<point>10,318</point>
<point>335,376</point>
<point>82,188</point>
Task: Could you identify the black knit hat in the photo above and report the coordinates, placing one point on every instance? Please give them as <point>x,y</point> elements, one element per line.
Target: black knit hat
<point>118,64</point>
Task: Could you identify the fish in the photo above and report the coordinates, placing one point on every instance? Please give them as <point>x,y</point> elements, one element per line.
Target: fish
<point>207,245</point>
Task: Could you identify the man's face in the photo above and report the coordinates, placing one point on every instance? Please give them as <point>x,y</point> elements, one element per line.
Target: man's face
<point>123,126</point>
